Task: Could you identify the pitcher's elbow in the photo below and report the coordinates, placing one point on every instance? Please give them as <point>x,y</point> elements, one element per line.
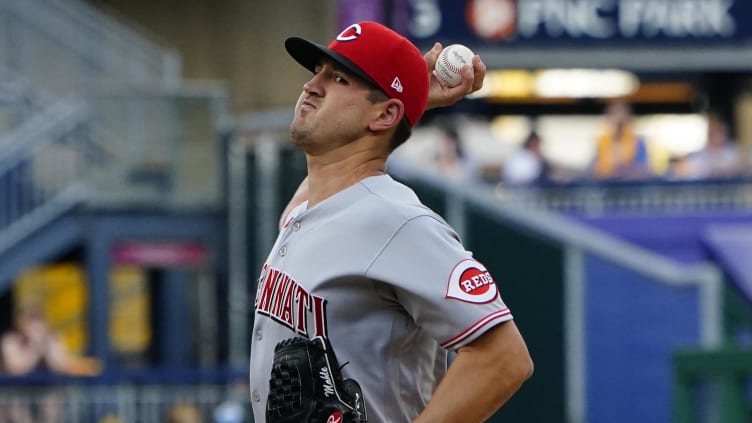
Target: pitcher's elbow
<point>530,368</point>
<point>526,368</point>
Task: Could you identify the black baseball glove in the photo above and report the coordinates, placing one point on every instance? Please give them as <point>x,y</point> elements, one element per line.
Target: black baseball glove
<point>306,386</point>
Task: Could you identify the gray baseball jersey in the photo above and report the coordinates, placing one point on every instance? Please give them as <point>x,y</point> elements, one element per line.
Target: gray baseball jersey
<point>387,281</point>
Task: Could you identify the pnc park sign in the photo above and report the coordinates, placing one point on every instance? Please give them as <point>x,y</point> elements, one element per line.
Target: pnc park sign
<point>581,21</point>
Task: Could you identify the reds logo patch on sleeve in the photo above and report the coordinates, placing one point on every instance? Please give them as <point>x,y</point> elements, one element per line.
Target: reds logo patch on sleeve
<point>471,282</point>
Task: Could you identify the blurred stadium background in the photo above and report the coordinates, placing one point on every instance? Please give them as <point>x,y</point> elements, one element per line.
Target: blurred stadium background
<point>144,161</point>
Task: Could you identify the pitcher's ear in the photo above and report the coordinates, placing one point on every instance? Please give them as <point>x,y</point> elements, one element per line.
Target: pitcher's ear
<point>391,113</point>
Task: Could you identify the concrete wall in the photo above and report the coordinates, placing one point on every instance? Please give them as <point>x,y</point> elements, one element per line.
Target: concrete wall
<point>238,41</point>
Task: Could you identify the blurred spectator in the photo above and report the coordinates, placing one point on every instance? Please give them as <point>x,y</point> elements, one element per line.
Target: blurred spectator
<point>452,161</point>
<point>621,153</point>
<point>184,412</point>
<point>110,418</point>
<point>527,165</point>
<point>720,158</point>
<point>232,410</point>
<point>229,411</point>
<point>678,168</point>
<point>30,347</point>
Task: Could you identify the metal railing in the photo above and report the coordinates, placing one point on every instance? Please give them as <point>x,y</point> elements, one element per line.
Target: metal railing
<point>19,99</point>
<point>125,147</point>
<point>81,44</point>
<point>592,198</point>
<point>41,171</point>
<point>81,401</point>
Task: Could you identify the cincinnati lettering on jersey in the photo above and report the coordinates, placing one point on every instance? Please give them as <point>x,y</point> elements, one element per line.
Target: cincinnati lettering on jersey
<point>284,301</point>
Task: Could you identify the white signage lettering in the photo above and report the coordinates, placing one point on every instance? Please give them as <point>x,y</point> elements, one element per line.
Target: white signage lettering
<point>628,18</point>
<point>574,17</point>
<point>676,18</point>
<point>426,18</point>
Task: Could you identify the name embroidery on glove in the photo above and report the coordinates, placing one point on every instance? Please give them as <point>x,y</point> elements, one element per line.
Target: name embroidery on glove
<point>281,298</point>
<point>328,385</point>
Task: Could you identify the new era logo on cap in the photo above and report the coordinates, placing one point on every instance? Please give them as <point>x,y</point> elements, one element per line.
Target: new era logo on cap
<point>397,84</point>
<point>377,54</point>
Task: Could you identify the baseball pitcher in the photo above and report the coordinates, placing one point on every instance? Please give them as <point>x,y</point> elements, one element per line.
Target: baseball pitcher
<point>366,290</point>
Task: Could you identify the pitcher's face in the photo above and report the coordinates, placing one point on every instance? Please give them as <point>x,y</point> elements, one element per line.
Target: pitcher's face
<point>333,108</point>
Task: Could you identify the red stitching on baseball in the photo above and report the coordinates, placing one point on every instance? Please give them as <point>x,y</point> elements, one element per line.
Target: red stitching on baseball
<point>445,60</point>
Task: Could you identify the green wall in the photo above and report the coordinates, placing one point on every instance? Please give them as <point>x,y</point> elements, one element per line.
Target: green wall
<point>529,272</point>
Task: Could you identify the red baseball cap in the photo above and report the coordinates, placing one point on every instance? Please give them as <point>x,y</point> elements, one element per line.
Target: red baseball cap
<point>377,54</point>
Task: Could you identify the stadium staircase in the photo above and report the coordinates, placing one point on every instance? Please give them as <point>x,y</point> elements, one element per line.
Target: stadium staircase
<point>94,120</point>
<point>40,173</point>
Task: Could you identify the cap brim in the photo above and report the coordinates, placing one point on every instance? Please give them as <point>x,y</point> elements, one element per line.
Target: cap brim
<point>309,55</point>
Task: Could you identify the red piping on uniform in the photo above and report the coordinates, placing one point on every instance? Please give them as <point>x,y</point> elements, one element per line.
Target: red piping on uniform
<point>475,327</point>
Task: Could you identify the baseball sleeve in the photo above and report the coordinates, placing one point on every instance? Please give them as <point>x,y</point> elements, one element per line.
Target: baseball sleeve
<point>447,292</point>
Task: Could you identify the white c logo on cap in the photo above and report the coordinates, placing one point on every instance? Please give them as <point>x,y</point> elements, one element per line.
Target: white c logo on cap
<point>350,33</point>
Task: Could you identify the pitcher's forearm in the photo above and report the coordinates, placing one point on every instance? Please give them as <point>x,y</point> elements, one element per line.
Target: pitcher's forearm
<point>481,379</point>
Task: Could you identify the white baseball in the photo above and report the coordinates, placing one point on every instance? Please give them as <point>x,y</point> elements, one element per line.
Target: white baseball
<point>450,62</point>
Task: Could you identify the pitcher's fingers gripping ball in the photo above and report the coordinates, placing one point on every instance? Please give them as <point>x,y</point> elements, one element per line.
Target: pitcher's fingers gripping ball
<point>450,62</point>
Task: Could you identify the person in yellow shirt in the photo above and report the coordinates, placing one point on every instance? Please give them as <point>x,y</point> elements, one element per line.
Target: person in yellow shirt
<point>621,153</point>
